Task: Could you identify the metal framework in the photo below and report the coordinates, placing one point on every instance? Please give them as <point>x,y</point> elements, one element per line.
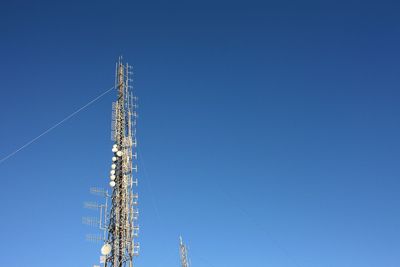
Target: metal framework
<point>183,253</point>
<point>118,220</point>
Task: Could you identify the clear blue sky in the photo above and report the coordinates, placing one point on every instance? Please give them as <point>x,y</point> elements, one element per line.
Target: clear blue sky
<point>269,131</point>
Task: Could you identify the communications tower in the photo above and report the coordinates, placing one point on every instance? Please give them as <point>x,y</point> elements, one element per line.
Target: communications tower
<point>118,220</point>
<point>183,253</point>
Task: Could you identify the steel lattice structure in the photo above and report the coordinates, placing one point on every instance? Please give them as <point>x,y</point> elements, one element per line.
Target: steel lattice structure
<point>183,253</point>
<point>118,220</point>
<point>122,228</point>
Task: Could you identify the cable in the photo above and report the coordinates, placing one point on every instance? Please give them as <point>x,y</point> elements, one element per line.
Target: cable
<point>56,125</point>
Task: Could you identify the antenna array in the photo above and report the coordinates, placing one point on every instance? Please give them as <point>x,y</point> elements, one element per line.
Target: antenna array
<point>119,221</point>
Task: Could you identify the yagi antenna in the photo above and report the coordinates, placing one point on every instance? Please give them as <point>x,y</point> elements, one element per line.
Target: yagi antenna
<point>98,191</point>
<point>91,205</point>
<point>91,221</point>
<point>94,238</point>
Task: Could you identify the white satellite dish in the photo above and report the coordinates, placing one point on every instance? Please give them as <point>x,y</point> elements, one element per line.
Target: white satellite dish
<point>106,249</point>
<point>112,183</point>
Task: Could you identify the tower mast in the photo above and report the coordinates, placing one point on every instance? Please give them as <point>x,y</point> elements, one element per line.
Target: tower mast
<point>183,253</point>
<point>122,227</point>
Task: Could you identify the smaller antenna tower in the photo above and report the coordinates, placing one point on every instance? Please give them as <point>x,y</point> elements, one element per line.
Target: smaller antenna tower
<point>183,253</point>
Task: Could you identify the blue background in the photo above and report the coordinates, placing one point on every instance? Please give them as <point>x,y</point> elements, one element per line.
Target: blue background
<point>268,131</point>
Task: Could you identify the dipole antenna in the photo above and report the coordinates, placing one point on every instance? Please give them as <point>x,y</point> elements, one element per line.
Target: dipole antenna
<point>118,220</point>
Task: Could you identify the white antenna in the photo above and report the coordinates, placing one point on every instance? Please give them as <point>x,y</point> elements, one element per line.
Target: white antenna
<point>94,238</point>
<point>91,221</point>
<point>91,205</point>
<point>101,221</point>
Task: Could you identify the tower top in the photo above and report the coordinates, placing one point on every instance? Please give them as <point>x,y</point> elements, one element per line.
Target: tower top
<point>183,253</point>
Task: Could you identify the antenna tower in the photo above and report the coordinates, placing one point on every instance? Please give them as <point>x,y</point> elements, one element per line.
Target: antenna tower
<point>183,253</point>
<point>118,220</point>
